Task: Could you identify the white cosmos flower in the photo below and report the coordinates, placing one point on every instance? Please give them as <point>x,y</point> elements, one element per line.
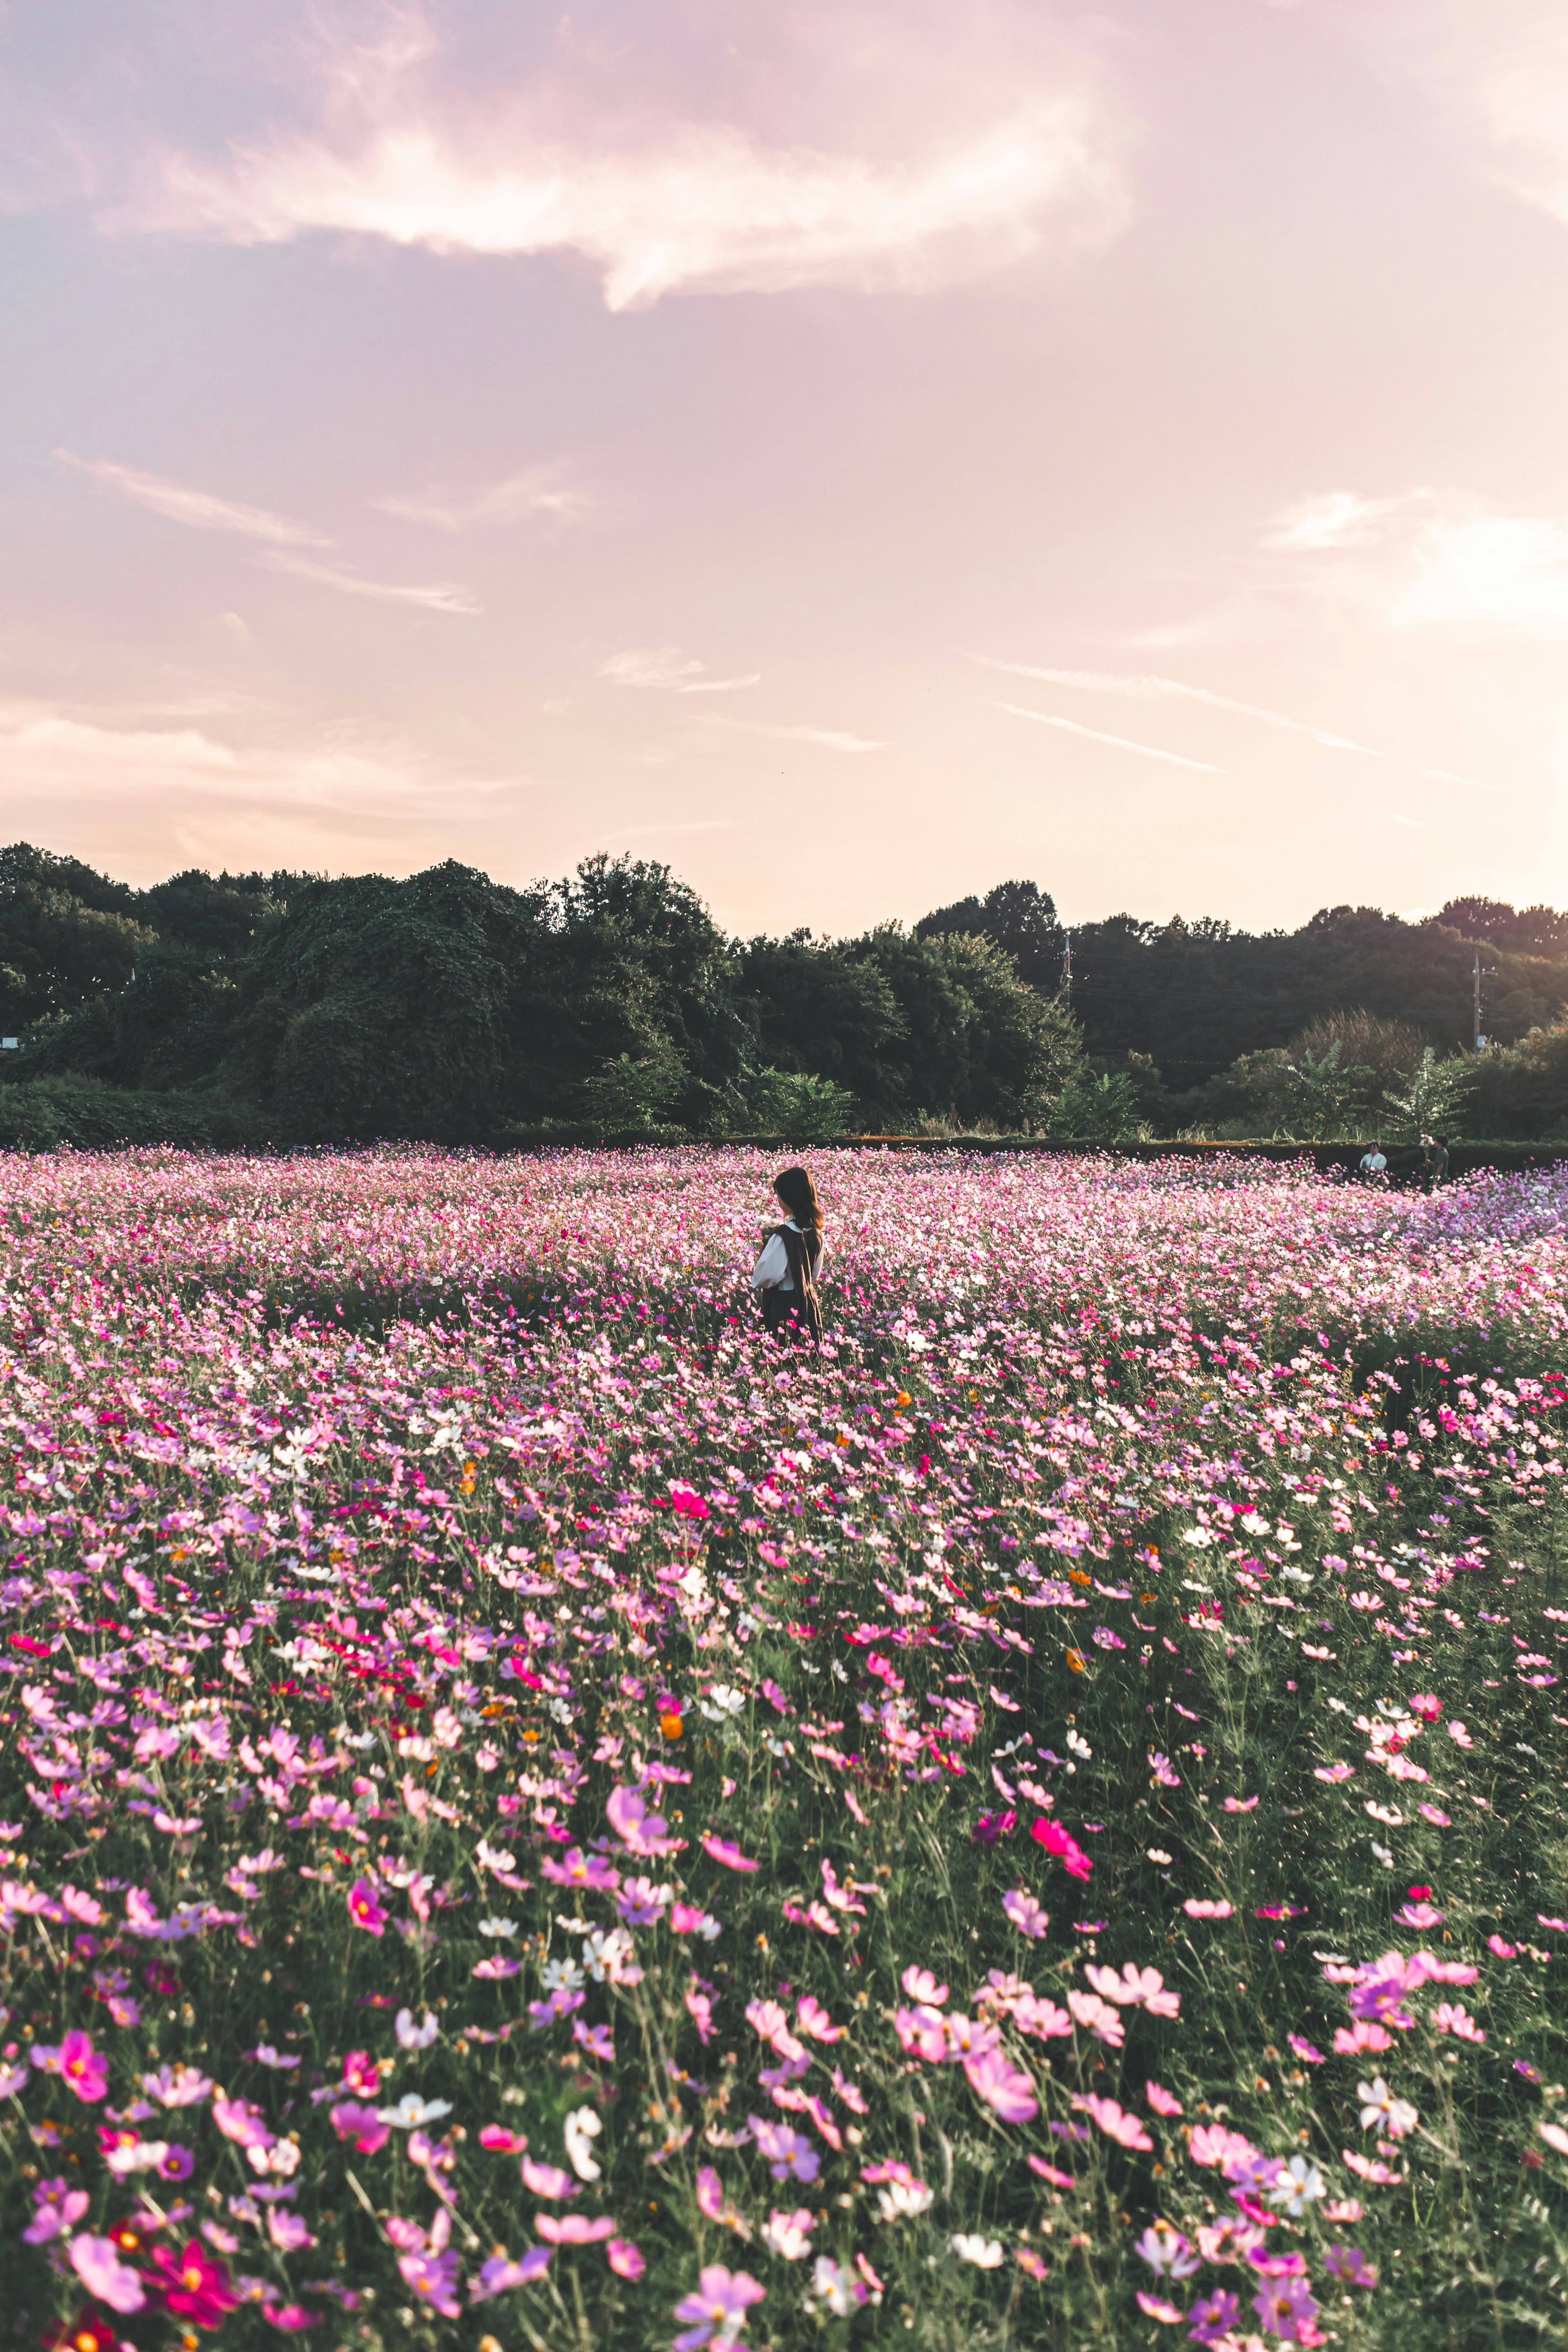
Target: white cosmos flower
<point>411,2036</point>
<point>496,1926</point>
<point>579,2128</point>
<point>985,2252</point>
<point>411,2112</point>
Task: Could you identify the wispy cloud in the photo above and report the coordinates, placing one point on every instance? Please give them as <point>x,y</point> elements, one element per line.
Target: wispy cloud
<point>1332,519</point>
<point>1431,559</point>
<point>665,668</point>
<point>1155,690</point>
<point>842,144</point>
<point>436,596</point>
<point>536,493</point>
<point>198,509</point>
<point>1070,727</point>
<point>825,739</point>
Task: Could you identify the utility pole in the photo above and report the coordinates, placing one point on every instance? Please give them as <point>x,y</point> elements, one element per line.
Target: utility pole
<point>1067,963</point>
<point>1482,971</point>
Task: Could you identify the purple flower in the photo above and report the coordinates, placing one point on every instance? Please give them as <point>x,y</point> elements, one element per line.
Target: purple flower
<point>1025,1912</point>
<point>176,2163</point>
<point>1213,2317</point>
<point>434,2278</point>
<point>580,1869</point>
<point>992,1826</point>
<point>1349,2264</point>
<point>788,2155</point>
<point>57,2206</point>
<point>1286,2308</point>
<point>500,2272</point>
<point>718,2308</point>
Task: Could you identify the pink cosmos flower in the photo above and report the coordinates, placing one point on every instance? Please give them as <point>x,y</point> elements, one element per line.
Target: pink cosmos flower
<point>1196,1907</point>
<point>1368,2168</point>
<point>624,2258</point>
<point>1454,2018</point>
<point>1114,2122</point>
<point>1558,1927</point>
<point>1025,1913</point>
<point>366,1908</point>
<point>766,2018</point>
<point>1439,1820</point>
<point>96,2261</point>
<point>360,2125</point>
<point>1144,1986</point>
<point>921,1986</point>
<point>1213,2144</point>
<point>1504,1951</point>
<point>1003,2086</point>
<point>1427,1704</point>
<point>1420,1916</point>
<point>724,1850</point>
<point>500,2272</point>
<point>1304,2050</point>
<point>502,2141</point>
<point>718,2308</point>
<point>573,2228</point>
<point>1459,1736</point>
<point>1098,2015</point>
<point>497,1969</point>
<point>811,2018</point>
<point>1349,2264</point>
<point>922,2032</point>
<point>1161,2100</point>
<point>241,2121</point>
<point>641,1832</point>
<point>1056,1840</point>
<point>1157,2308</point>
<point>699,2008</point>
<point>546,2179</point>
<point>83,2069</point>
<point>1363,2035</point>
<point>1048,2172</point>
<point>580,1869</point>
<point>1240,1804</point>
<point>1335,1772</point>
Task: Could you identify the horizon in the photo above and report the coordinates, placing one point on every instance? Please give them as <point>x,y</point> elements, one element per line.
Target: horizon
<point>849,459</point>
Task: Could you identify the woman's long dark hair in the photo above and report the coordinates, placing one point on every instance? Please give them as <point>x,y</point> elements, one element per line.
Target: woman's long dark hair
<point>798,1194</point>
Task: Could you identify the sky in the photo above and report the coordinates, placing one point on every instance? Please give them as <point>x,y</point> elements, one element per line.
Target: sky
<point>852,453</point>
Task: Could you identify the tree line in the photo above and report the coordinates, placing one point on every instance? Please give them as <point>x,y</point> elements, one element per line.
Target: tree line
<point>306,1009</point>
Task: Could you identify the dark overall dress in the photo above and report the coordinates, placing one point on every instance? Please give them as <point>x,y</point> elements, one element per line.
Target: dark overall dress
<point>796,1314</point>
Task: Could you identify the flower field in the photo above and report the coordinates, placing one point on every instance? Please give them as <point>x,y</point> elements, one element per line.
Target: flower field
<point>531,1817</point>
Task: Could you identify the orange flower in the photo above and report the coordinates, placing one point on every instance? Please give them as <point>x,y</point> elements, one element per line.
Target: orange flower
<point>670,1724</point>
<point>1075,1660</point>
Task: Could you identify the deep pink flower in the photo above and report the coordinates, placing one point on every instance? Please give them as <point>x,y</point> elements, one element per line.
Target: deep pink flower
<point>1114,2122</point>
<point>1056,1840</point>
<point>82,2068</point>
<point>194,2285</point>
<point>361,2074</point>
<point>362,2126</point>
<point>366,1908</point>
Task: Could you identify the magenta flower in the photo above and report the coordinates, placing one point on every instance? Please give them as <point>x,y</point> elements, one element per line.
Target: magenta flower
<point>1058,1841</point>
<point>360,2125</point>
<point>1504,1951</point>
<point>717,2309</point>
<point>361,2074</point>
<point>83,2069</point>
<point>992,1826</point>
<point>194,2285</point>
<point>1161,2100</point>
<point>724,1850</point>
<point>366,1908</point>
<point>1304,2050</point>
<point>624,2258</point>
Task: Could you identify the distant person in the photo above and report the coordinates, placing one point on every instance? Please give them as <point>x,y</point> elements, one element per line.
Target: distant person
<point>785,1276</point>
<point>1373,1166</point>
<point>1434,1162</point>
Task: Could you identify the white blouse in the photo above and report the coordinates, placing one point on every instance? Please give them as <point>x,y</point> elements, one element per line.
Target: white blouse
<point>772,1268</point>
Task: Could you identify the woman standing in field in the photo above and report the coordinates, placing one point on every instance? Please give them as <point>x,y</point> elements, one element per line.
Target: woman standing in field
<point>785,1276</point>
